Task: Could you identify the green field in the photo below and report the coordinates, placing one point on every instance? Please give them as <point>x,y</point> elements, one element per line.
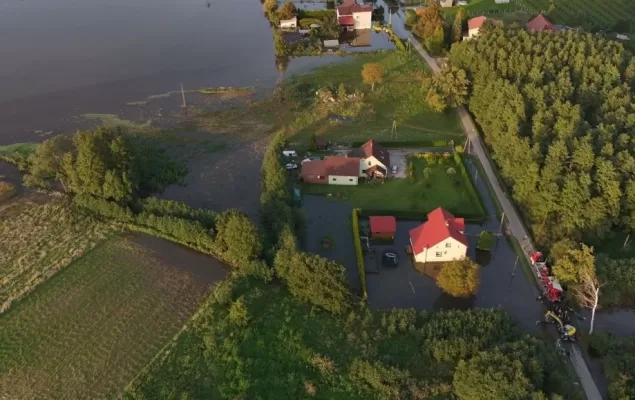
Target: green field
<point>91,328</point>
<point>588,14</point>
<point>37,241</point>
<point>415,196</point>
<point>401,98</point>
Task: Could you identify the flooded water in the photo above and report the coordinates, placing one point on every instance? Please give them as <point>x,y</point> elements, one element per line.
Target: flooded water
<point>65,58</point>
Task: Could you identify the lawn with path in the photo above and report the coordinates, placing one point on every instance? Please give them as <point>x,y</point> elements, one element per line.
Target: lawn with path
<point>415,196</point>
<point>399,99</point>
<point>90,329</point>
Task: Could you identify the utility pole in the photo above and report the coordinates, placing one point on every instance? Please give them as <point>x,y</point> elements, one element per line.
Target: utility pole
<point>466,146</point>
<point>500,230</point>
<point>475,177</point>
<point>389,17</point>
<point>393,130</point>
<point>183,96</point>
<point>626,241</point>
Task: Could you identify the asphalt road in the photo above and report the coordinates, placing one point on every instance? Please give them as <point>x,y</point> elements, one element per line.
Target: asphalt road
<point>514,224</point>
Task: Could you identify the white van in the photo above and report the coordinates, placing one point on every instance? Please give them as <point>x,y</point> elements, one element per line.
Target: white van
<point>289,153</point>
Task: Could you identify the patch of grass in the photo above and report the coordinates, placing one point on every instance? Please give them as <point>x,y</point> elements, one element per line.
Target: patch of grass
<point>89,330</point>
<point>485,241</point>
<point>399,99</point>
<point>37,241</point>
<point>113,121</point>
<point>415,196</point>
<point>482,7</point>
<point>21,148</point>
<point>221,90</point>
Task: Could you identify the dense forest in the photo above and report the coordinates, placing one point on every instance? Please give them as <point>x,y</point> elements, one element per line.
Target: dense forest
<point>558,113</point>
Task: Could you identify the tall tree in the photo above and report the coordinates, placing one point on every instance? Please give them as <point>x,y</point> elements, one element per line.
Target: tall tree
<point>287,10</point>
<point>459,278</point>
<point>459,25</point>
<point>429,21</point>
<point>450,86</point>
<point>372,73</point>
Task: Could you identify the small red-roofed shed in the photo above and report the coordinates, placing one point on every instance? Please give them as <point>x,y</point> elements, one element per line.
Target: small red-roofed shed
<point>383,227</point>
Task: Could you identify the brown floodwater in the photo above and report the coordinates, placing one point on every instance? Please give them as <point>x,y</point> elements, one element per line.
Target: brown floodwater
<point>204,269</point>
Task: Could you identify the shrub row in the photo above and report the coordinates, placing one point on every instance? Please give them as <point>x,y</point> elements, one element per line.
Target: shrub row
<point>410,144</point>
<point>476,196</point>
<point>317,14</point>
<point>358,252</point>
<point>396,39</point>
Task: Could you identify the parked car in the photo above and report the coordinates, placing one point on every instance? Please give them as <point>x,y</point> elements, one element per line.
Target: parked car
<point>291,166</point>
<point>395,169</point>
<point>289,153</point>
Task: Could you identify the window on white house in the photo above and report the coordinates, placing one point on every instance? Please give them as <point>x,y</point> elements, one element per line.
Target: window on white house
<point>369,163</point>
<point>439,254</point>
<point>334,179</point>
<point>350,180</point>
<point>448,244</point>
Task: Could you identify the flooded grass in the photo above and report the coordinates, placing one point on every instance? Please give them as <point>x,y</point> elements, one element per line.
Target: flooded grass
<point>37,241</point>
<point>113,121</point>
<point>90,329</point>
<point>22,148</point>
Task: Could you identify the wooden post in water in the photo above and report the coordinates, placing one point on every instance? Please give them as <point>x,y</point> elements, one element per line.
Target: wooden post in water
<point>626,241</point>
<point>183,96</point>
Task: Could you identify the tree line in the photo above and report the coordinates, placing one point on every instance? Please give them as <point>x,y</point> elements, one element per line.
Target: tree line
<point>558,113</point>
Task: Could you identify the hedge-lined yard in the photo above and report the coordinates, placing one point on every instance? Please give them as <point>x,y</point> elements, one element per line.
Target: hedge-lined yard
<point>359,253</point>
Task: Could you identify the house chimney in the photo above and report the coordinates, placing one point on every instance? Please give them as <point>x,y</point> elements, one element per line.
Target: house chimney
<point>447,223</point>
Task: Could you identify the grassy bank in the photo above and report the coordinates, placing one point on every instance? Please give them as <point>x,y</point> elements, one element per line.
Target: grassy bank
<point>89,330</point>
<point>370,113</point>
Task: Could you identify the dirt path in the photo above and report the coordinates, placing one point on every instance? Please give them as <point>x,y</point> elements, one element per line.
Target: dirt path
<point>514,224</point>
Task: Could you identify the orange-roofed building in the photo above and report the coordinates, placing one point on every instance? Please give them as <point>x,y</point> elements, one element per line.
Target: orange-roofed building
<point>441,238</point>
<point>539,23</point>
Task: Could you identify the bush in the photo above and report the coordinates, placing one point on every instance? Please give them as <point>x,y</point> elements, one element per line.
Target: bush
<point>485,241</point>
<point>359,253</point>
<point>459,278</point>
<point>305,23</point>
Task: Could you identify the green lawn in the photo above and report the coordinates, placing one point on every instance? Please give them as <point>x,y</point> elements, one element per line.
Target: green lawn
<point>589,14</point>
<point>482,7</point>
<point>90,329</point>
<point>401,98</point>
<point>410,196</point>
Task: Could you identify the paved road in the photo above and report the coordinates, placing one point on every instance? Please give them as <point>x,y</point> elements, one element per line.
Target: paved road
<point>514,224</point>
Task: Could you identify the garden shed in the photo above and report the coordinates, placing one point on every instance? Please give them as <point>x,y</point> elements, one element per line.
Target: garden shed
<point>383,227</point>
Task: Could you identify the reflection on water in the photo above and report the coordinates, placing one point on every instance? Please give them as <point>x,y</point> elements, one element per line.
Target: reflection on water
<point>447,302</point>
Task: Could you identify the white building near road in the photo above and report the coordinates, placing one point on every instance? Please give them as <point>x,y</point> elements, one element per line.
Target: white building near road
<point>441,238</point>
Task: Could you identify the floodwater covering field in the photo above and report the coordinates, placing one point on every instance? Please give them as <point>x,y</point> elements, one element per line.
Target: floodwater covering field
<point>90,329</point>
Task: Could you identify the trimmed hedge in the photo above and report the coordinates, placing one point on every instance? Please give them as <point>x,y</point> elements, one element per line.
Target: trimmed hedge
<point>396,39</point>
<point>317,14</point>
<point>409,144</point>
<point>359,253</point>
<point>476,196</point>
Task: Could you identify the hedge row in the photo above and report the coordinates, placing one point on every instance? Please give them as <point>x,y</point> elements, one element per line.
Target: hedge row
<point>410,144</point>
<point>396,39</point>
<point>476,196</point>
<point>359,253</point>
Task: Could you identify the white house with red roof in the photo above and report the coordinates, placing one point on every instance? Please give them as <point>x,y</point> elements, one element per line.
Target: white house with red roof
<point>539,23</point>
<point>374,160</point>
<point>441,238</point>
<point>351,15</point>
<point>474,26</point>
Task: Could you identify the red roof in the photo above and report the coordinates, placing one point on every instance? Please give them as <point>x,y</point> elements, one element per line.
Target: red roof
<point>349,7</point>
<point>440,225</point>
<point>475,23</point>
<point>346,20</point>
<point>338,166</point>
<point>383,224</point>
<point>539,23</point>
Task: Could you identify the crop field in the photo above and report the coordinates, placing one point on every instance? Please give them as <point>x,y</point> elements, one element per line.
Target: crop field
<point>589,14</point>
<point>37,241</point>
<point>93,327</point>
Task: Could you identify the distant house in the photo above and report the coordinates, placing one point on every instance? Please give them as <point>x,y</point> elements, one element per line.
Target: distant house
<point>332,171</point>
<point>446,3</point>
<point>331,43</point>
<point>289,23</point>
<point>474,26</point>
<point>351,15</point>
<point>539,23</point>
<point>374,160</point>
<point>320,143</point>
<point>383,227</point>
<point>440,238</point>
<point>501,1</point>
<point>619,36</point>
